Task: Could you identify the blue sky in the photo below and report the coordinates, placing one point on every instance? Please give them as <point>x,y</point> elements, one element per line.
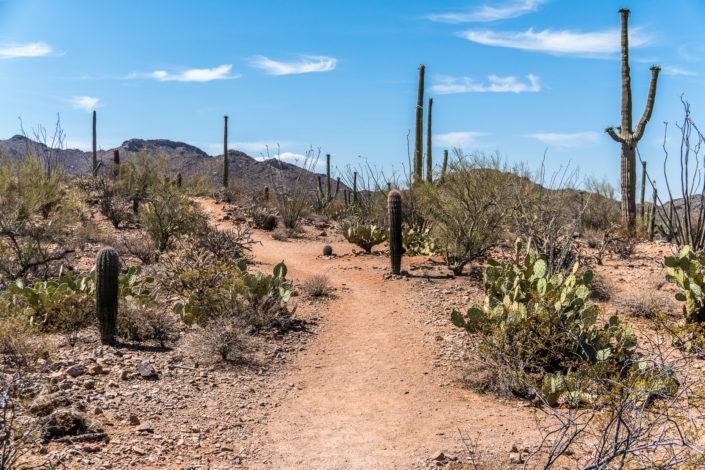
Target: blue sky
<point>514,76</point>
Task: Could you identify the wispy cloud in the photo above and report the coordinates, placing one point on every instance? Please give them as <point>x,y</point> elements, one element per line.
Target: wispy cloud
<point>456,139</point>
<point>33,49</point>
<point>448,85</point>
<point>566,140</point>
<point>221,72</point>
<point>557,42</point>
<point>294,158</point>
<point>487,13</point>
<point>86,103</point>
<point>252,148</point>
<point>669,70</point>
<point>307,64</point>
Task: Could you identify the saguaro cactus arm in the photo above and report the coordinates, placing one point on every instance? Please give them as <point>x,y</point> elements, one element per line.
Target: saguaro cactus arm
<point>639,131</point>
<point>614,135</point>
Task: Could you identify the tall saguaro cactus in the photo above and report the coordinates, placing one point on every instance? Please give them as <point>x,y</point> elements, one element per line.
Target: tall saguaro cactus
<point>327,196</point>
<point>94,166</point>
<point>116,163</point>
<point>429,160</point>
<point>445,165</point>
<point>226,170</point>
<point>107,270</point>
<point>395,238</point>
<point>627,137</point>
<point>652,216</point>
<point>418,136</point>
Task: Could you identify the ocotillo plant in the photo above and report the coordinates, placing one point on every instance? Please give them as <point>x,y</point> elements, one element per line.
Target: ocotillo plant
<point>225,154</point>
<point>429,160</point>
<point>652,216</point>
<point>445,165</point>
<point>326,197</point>
<point>116,163</point>
<point>395,238</point>
<point>107,270</point>
<point>418,136</point>
<point>643,191</point>
<point>626,137</point>
<point>94,167</point>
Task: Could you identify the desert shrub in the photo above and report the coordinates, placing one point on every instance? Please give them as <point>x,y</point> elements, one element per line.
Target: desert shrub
<point>209,287</point>
<point>541,329</point>
<point>686,271</point>
<point>262,218</point>
<point>366,236</point>
<point>114,202</point>
<point>140,246</point>
<point>230,245</point>
<point>141,322</point>
<point>291,210</point>
<point>168,214</point>
<point>417,241</point>
<point>281,234</point>
<point>468,210</point>
<point>35,212</point>
<point>601,210</point>
<point>223,338</point>
<point>316,286</point>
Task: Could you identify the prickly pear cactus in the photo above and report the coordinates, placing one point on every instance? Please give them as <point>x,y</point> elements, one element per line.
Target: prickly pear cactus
<point>686,271</point>
<point>395,235</point>
<point>107,271</point>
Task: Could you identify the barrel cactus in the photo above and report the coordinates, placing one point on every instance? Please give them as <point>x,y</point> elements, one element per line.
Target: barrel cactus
<point>107,270</point>
<point>395,235</point>
<point>327,250</point>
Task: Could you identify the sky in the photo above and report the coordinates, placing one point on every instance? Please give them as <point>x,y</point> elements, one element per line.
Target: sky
<point>520,77</point>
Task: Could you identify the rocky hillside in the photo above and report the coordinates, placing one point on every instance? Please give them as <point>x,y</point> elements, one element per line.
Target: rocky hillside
<point>245,171</point>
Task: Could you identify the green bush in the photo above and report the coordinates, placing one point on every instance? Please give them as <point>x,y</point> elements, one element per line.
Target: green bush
<point>469,209</point>
<point>35,212</point>
<point>686,271</point>
<point>366,236</point>
<point>541,329</point>
<point>419,242</point>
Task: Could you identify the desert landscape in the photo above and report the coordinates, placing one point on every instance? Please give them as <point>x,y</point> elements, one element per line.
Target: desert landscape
<point>162,306</point>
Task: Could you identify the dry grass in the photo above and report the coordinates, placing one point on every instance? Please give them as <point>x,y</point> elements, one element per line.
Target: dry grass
<point>316,286</point>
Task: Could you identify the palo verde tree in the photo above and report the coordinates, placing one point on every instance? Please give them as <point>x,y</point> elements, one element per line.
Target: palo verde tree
<point>624,134</point>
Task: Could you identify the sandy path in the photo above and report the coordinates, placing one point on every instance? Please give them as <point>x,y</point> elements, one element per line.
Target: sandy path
<point>365,393</point>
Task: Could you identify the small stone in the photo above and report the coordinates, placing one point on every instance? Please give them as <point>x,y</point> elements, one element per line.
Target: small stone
<point>89,384</point>
<point>124,375</point>
<point>146,369</point>
<point>75,371</point>
<point>438,456</point>
<point>515,458</point>
<point>134,420</point>
<point>95,369</point>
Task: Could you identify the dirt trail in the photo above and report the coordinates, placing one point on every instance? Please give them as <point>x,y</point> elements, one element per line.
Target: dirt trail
<point>365,393</point>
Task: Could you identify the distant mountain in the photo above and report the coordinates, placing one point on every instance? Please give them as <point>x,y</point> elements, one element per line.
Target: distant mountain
<point>245,171</point>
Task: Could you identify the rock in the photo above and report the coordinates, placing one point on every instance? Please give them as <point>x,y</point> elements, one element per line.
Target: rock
<point>45,404</point>
<point>438,456</point>
<point>515,458</point>
<point>67,422</point>
<point>134,420</point>
<point>146,369</point>
<point>95,369</point>
<point>76,370</point>
<point>89,384</point>
<point>124,375</point>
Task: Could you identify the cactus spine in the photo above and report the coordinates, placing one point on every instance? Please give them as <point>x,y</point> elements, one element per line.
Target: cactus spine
<point>116,163</point>
<point>445,165</point>
<point>626,137</point>
<point>418,136</point>
<point>395,238</point>
<point>94,166</point>
<point>226,170</point>
<point>429,160</point>
<point>107,270</point>
<point>643,191</point>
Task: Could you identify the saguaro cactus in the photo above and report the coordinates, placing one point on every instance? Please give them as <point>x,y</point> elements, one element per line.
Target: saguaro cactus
<point>116,163</point>
<point>652,216</point>
<point>354,199</point>
<point>107,270</point>
<point>643,191</point>
<point>179,180</point>
<point>94,166</point>
<point>627,137</point>
<point>395,240</point>
<point>445,165</point>
<point>225,154</point>
<point>325,197</point>
<point>418,137</point>
<point>429,160</point>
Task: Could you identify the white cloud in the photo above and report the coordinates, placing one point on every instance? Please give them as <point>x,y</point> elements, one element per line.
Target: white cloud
<point>33,49</point>
<point>307,64</point>
<point>221,72</point>
<point>294,158</point>
<point>557,42</point>
<point>566,140</point>
<point>456,139</point>
<point>669,70</point>
<point>86,103</point>
<point>496,84</point>
<point>486,13</point>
